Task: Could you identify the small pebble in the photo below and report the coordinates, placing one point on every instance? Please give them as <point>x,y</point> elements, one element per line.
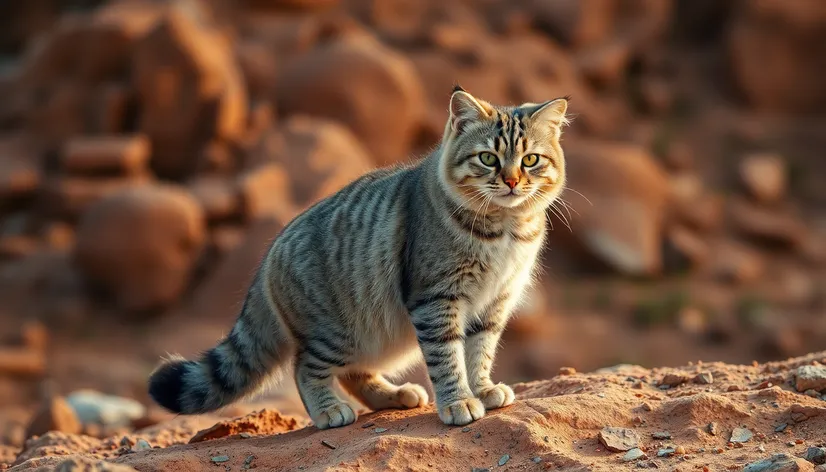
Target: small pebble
<point>647,407</point>
<point>790,443</point>
<point>220,459</point>
<point>546,439</point>
<point>661,435</point>
<point>761,448</point>
<point>666,452</point>
<point>741,435</point>
<point>781,427</point>
<point>537,460</point>
<point>679,450</point>
<point>713,429</point>
<point>141,445</point>
<point>567,371</point>
<point>633,455</point>
<point>704,378</point>
<point>466,429</point>
<point>479,435</point>
<point>328,444</point>
<point>812,393</point>
<point>504,460</point>
<point>369,424</point>
<point>380,430</point>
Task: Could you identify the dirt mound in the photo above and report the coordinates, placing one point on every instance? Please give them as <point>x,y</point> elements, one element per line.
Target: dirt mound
<point>718,417</point>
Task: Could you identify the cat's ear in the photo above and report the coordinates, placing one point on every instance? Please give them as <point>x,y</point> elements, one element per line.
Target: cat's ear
<point>551,112</point>
<point>465,109</point>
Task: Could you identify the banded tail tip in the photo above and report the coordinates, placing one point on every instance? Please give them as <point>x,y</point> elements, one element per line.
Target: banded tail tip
<point>166,384</point>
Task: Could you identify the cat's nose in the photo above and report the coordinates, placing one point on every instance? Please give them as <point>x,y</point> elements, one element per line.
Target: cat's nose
<point>511,181</point>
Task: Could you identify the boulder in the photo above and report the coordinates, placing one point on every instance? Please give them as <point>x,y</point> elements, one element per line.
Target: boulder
<point>140,245</point>
<point>54,414</point>
<point>189,90</point>
<point>776,54</point>
<point>364,85</point>
<point>320,157</point>
<point>619,195</point>
<point>115,154</point>
<point>764,176</point>
<point>265,192</point>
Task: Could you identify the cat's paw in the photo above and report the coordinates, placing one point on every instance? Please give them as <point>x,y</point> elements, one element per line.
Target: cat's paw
<point>496,396</point>
<point>411,395</point>
<point>462,412</point>
<point>340,414</point>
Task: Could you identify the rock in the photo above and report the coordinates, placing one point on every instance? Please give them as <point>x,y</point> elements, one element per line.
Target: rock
<point>343,79</point>
<point>764,176</point>
<point>713,429</point>
<point>264,422</point>
<point>810,377</point>
<point>666,452</point>
<point>685,249</point>
<point>736,263</point>
<point>141,445</point>
<point>634,454</point>
<point>622,195</point>
<point>265,192</point>
<point>320,157</point>
<point>741,435</point>
<point>218,293</point>
<point>767,225</point>
<point>578,24</point>
<point>219,197</point>
<point>816,455</point>
<point>89,465</point>
<point>109,411</point>
<point>54,414</point>
<point>140,245</point>
<point>189,88</point>
<point>22,362</point>
<point>779,463</point>
<point>619,439</point>
<point>20,176</point>
<point>774,54</point>
<point>661,435</point>
<point>70,197</point>
<point>674,379</point>
<point>704,378</point>
<point>118,155</point>
<point>605,64</point>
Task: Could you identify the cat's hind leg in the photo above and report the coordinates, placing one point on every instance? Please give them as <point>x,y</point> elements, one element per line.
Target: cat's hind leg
<point>315,386</point>
<point>377,393</point>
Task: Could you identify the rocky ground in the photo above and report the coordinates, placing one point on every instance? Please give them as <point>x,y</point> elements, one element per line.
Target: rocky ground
<point>705,416</point>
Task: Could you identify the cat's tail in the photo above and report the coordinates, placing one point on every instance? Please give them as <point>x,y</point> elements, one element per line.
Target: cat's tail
<point>256,347</point>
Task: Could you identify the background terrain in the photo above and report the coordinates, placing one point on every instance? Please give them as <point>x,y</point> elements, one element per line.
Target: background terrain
<point>150,150</point>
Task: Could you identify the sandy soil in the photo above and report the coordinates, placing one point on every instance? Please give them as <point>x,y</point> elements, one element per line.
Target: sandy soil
<point>555,424</point>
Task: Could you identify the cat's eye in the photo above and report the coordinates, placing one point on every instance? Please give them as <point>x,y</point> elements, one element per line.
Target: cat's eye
<point>488,159</point>
<point>530,160</point>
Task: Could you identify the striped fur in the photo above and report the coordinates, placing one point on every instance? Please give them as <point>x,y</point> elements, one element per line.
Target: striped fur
<point>423,260</point>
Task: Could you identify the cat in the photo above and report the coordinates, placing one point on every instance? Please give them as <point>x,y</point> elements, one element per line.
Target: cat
<point>425,259</point>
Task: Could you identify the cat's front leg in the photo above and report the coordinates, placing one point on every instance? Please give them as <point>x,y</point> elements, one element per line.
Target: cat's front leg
<point>481,340</point>
<point>440,336</point>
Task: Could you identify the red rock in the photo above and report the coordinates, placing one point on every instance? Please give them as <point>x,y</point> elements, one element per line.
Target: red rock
<point>605,64</point>
<point>776,59</point>
<point>267,422</point>
<point>735,263</point>
<point>189,90</point>
<point>687,247</point>
<point>764,176</point>
<point>219,197</point>
<point>265,192</point>
<point>577,23</point>
<point>118,155</point>
<point>54,414</point>
<point>140,245</point>
<point>218,295</point>
<point>70,197</point>
<point>320,157</point>
<point>767,225</point>
<point>111,109</point>
<point>622,195</point>
<point>344,79</point>
<point>19,168</point>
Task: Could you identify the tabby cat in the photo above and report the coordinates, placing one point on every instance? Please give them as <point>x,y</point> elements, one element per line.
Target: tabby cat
<point>423,259</point>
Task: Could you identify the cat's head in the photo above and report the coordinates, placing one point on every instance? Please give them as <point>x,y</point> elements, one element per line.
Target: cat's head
<point>505,157</point>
